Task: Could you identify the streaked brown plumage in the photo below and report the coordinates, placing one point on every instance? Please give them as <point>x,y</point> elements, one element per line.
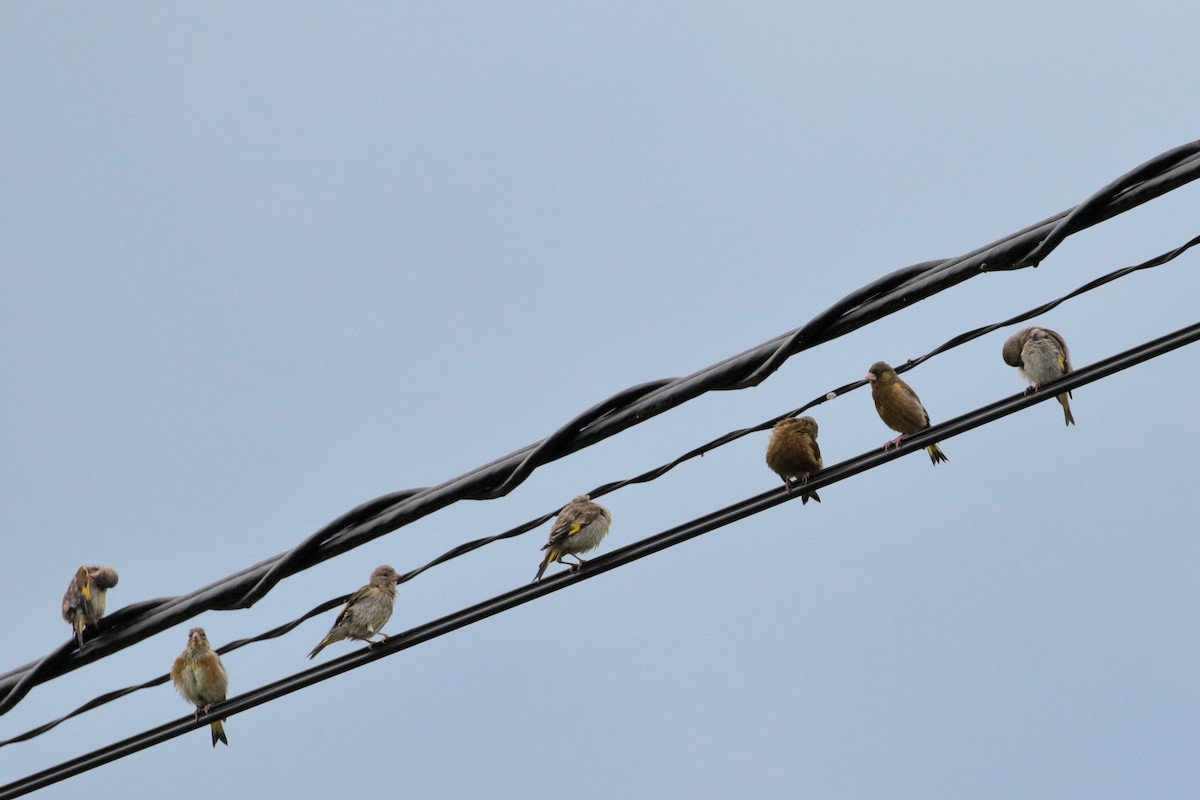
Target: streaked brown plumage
<point>899,407</point>
<point>578,528</point>
<point>366,612</point>
<point>793,452</point>
<point>201,678</point>
<point>84,602</point>
<point>1040,356</point>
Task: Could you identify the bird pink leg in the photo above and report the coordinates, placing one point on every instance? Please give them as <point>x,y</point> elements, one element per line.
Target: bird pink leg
<point>1037,387</point>
<point>893,442</point>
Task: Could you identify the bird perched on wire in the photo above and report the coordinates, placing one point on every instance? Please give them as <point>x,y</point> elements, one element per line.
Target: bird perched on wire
<point>201,678</point>
<point>899,407</point>
<point>793,452</point>
<point>83,604</point>
<point>1040,356</point>
<point>367,610</point>
<point>578,528</point>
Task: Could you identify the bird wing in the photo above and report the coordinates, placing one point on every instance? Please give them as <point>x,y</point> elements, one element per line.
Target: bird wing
<point>355,598</point>
<point>71,602</point>
<point>911,404</point>
<point>177,670</point>
<point>816,450</point>
<point>1064,356</point>
<point>573,524</point>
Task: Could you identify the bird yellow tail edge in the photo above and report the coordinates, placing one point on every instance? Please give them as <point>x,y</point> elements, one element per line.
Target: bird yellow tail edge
<point>551,554</point>
<point>319,647</point>
<point>80,624</point>
<point>936,454</point>
<point>1062,398</point>
<point>218,733</point>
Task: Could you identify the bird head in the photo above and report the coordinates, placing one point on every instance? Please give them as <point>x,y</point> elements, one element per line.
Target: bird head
<point>384,577</point>
<point>881,374</point>
<point>197,640</point>
<point>797,425</point>
<point>103,577</point>
<point>1014,345</point>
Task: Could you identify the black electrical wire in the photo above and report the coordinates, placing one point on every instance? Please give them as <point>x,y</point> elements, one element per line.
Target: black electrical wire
<point>117,694</point>
<point>902,288</point>
<point>385,514</point>
<point>732,436</point>
<point>1086,213</point>
<point>645,477</point>
<point>116,620</point>
<point>600,565</point>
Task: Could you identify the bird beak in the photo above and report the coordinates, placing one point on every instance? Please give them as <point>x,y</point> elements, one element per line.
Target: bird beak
<point>870,376</point>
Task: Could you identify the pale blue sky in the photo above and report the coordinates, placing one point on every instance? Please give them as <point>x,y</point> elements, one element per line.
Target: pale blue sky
<point>262,262</point>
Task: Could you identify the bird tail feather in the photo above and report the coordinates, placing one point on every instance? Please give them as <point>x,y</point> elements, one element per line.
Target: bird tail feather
<point>1062,398</point>
<point>551,554</point>
<point>218,733</point>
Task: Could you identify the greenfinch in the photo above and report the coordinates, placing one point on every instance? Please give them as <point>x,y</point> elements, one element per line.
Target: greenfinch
<point>366,612</point>
<point>83,604</point>
<point>899,407</point>
<point>793,452</point>
<point>201,678</point>
<point>578,528</point>
<point>1040,356</point>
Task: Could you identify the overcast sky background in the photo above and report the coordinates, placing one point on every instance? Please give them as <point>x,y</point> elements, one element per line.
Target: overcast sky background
<point>263,262</point>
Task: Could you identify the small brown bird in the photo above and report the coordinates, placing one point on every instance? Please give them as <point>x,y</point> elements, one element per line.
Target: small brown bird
<point>899,407</point>
<point>578,528</point>
<point>83,604</point>
<point>1040,356</point>
<point>793,452</point>
<point>201,678</point>
<point>367,610</point>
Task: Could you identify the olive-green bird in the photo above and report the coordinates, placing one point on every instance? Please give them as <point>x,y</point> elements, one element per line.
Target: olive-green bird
<point>793,452</point>
<point>899,407</point>
<point>578,528</point>
<point>1040,356</point>
<point>201,678</point>
<point>83,604</point>
<point>367,610</point>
